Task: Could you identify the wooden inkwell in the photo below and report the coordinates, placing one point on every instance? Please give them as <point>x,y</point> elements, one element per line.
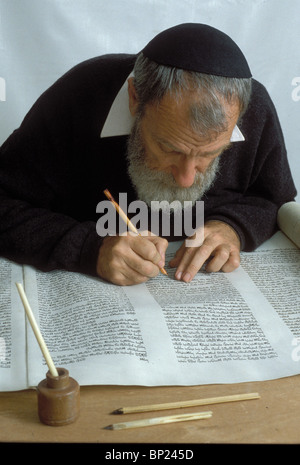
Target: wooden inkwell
<point>58,394</point>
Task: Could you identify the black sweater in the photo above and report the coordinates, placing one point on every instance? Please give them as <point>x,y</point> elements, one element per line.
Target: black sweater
<point>54,168</point>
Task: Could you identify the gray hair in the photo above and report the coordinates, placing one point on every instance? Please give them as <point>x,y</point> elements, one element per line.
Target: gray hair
<point>153,81</point>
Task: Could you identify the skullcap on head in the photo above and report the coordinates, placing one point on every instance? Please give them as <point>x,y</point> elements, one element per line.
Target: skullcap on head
<point>200,48</point>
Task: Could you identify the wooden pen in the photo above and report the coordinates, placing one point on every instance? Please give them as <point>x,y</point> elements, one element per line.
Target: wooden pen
<point>160,420</point>
<point>188,403</point>
<point>126,219</point>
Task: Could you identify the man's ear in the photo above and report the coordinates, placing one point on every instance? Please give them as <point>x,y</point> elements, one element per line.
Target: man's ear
<point>133,100</point>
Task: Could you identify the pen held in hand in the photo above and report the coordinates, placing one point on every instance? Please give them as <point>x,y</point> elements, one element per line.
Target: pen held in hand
<point>126,219</point>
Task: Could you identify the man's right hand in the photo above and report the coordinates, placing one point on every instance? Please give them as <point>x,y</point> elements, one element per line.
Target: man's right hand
<point>131,259</point>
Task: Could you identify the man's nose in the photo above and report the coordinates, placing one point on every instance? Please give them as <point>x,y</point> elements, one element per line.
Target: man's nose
<point>185,170</point>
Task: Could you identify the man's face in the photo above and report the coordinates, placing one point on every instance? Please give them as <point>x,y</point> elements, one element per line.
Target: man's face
<point>168,160</point>
<point>172,146</point>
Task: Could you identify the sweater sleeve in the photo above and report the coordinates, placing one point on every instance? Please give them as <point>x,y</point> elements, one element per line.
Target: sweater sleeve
<point>43,167</point>
<point>32,229</point>
<point>53,166</point>
<point>255,177</point>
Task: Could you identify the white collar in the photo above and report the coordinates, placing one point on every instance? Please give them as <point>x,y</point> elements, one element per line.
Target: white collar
<point>119,120</point>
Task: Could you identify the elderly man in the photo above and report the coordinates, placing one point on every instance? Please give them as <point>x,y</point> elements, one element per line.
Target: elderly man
<point>182,120</point>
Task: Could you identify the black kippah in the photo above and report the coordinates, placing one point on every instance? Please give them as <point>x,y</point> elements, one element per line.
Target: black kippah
<point>200,48</point>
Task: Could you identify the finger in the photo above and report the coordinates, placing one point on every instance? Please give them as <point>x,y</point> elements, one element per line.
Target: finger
<point>146,248</point>
<point>119,264</point>
<point>193,242</point>
<point>118,272</point>
<point>130,269</point>
<point>233,263</point>
<point>161,245</point>
<point>140,265</point>
<point>177,257</point>
<point>219,259</point>
<point>192,261</point>
<point>127,278</point>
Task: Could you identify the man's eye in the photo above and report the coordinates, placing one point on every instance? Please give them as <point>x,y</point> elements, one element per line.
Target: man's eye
<point>170,151</point>
<point>165,149</point>
<point>212,155</point>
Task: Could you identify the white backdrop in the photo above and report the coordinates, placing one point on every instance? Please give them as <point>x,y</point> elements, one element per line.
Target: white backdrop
<point>41,39</point>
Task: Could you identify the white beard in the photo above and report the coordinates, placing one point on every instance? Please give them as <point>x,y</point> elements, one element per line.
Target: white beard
<point>152,185</point>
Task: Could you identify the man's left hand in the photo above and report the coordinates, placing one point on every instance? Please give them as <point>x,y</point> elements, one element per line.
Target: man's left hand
<point>220,245</point>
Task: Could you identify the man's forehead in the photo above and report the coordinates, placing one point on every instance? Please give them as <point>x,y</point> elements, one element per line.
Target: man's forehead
<point>204,147</point>
<point>119,121</point>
